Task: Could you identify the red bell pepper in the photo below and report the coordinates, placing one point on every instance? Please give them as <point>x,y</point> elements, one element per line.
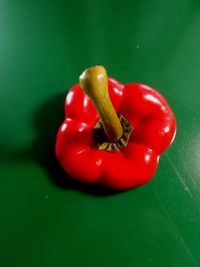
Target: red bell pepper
<point>95,144</point>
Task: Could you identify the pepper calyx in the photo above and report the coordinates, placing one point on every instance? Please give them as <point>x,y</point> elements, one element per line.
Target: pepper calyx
<point>102,141</point>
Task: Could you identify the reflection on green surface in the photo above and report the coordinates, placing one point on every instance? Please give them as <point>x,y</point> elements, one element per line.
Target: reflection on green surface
<point>43,49</point>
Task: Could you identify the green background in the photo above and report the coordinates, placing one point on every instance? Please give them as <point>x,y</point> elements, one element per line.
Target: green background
<point>48,220</point>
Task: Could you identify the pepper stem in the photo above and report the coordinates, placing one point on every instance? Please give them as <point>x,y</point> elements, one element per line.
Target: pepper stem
<point>94,81</point>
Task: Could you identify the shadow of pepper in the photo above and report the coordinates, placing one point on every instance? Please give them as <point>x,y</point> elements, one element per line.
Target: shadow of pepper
<point>46,121</point>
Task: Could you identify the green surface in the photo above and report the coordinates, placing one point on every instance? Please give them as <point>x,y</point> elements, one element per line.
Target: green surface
<point>47,221</point>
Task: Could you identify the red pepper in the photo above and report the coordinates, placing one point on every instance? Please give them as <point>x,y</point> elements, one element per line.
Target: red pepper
<point>93,145</point>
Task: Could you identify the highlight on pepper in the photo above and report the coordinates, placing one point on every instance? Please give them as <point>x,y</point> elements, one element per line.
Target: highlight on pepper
<point>113,134</point>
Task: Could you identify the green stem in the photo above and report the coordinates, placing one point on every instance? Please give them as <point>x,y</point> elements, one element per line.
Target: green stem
<point>94,81</point>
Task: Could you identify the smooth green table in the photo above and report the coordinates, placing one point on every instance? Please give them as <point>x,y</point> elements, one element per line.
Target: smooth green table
<point>48,220</point>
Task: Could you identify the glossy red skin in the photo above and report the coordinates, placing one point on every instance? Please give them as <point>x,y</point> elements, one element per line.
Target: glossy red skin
<point>154,130</point>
